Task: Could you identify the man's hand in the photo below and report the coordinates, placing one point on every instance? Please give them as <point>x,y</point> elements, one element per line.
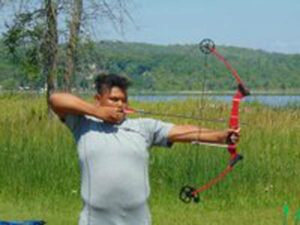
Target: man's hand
<point>111,114</point>
<point>232,136</point>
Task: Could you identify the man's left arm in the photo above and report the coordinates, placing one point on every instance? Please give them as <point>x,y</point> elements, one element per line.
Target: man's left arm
<point>190,133</point>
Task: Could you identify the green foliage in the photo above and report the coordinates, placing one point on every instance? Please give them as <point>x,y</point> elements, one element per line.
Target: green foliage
<point>183,67</point>
<point>166,68</point>
<point>21,45</point>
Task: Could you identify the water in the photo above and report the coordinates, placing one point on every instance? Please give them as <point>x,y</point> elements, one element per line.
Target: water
<point>269,100</point>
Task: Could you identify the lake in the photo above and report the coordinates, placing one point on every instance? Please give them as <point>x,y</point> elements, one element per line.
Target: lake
<point>269,100</point>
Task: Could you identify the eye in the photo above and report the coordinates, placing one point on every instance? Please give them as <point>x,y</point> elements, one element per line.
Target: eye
<point>114,99</point>
<point>117,99</point>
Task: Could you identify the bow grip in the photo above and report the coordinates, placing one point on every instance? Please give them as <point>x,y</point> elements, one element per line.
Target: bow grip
<point>231,138</point>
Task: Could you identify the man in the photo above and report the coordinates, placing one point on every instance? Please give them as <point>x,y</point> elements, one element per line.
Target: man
<point>113,151</point>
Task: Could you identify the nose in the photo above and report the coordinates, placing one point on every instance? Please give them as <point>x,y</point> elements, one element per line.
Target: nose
<point>120,103</point>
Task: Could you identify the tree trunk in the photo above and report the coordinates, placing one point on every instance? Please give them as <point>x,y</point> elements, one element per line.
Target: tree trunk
<point>49,49</point>
<point>74,26</point>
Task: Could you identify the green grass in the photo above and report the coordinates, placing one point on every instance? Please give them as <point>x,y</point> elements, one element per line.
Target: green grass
<point>172,213</point>
<point>39,174</point>
<point>166,213</point>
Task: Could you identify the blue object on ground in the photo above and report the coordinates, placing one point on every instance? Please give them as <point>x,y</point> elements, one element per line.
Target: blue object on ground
<point>27,222</point>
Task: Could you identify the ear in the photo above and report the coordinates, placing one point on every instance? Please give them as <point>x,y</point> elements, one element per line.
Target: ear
<point>97,98</point>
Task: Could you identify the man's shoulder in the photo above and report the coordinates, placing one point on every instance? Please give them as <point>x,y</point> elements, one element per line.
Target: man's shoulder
<point>147,124</point>
<point>138,121</point>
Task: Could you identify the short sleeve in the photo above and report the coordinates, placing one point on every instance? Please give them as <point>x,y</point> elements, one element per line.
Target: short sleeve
<point>74,122</point>
<point>157,132</point>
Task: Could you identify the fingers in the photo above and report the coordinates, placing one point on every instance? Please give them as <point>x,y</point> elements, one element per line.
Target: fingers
<point>233,136</point>
<point>112,115</point>
<point>118,115</point>
<point>236,132</point>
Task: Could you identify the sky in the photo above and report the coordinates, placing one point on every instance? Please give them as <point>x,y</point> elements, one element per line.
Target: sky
<point>270,25</point>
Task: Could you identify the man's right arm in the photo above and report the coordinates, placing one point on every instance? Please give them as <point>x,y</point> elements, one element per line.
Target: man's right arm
<point>64,103</point>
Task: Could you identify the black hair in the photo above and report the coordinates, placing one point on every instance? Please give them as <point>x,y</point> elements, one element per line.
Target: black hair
<point>106,81</point>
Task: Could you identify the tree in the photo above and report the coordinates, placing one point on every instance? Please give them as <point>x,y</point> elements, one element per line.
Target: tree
<point>34,34</point>
<point>39,34</point>
<point>49,50</point>
<point>74,27</point>
<point>88,14</point>
<point>23,40</point>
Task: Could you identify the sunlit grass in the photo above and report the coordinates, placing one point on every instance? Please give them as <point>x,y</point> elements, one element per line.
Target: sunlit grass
<point>39,174</point>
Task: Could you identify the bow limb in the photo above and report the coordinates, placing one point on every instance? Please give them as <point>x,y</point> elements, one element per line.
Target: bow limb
<point>227,64</point>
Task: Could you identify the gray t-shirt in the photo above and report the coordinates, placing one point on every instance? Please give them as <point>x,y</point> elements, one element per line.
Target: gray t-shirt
<point>114,159</point>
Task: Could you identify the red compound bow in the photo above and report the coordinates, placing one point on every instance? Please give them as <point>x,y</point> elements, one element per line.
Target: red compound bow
<point>188,193</point>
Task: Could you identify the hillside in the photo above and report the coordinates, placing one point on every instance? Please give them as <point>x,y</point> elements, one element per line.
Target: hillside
<point>168,68</point>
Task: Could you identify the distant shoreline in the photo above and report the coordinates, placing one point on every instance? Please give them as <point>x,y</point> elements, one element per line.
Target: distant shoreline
<point>269,93</point>
<point>166,93</point>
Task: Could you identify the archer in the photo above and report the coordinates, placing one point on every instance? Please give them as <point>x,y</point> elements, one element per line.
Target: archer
<point>113,151</point>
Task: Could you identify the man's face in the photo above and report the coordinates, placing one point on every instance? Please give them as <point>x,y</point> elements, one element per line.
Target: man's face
<point>114,97</point>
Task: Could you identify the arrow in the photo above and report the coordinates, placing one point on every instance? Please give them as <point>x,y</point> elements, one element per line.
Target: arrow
<point>141,111</point>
